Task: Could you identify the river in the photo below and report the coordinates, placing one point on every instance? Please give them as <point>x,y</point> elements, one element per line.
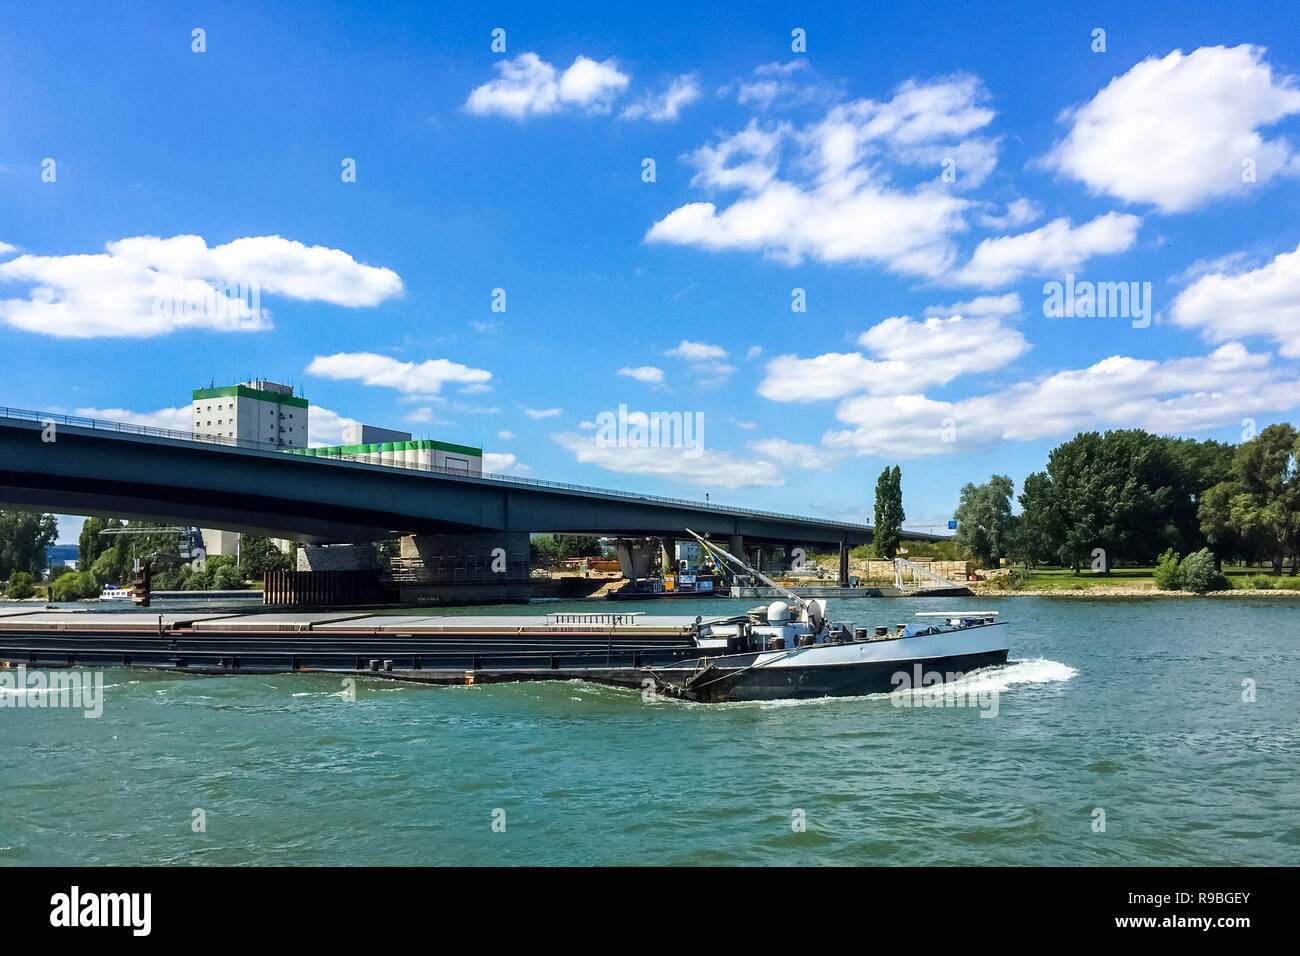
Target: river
<point>1126,732</point>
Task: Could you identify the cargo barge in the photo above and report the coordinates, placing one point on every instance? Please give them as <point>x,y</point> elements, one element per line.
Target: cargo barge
<point>782,650</point>
<point>770,653</point>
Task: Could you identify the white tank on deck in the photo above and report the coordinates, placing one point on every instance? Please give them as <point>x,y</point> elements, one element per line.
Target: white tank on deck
<point>778,612</point>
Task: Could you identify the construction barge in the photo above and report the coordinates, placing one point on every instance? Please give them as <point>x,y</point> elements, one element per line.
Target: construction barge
<point>787,649</point>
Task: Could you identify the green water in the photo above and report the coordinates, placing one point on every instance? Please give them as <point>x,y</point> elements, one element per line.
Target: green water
<point>1134,707</point>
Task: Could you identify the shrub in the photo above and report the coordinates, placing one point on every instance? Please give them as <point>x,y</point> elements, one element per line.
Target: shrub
<point>21,586</point>
<point>74,587</point>
<point>1168,575</point>
<point>216,562</point>
<point>226,578</point>
<point>1199,574</point>
<point>198,581</point>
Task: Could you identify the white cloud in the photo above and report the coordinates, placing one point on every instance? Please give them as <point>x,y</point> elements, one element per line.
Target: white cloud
<point>713,370</point>
<point>418,378</point>
<point>644,373</point>
<point>907,355</point>
<point>146,286</point>
<point>832,198</point>
<point>694,466</point>
<point>1008,304</point>
<point>176,419</point>
<point>793,454</point>
<point>832,375</point>
<point>938,350</point>
<point>666,106</point>
<point>1174,132</point>
<point>781,85</point>
<point>501,463</point>
<point>1174,396</point>
<point>528,85</point>
<point>325,427</point>
<point>697,351</point>
<point>542,412</point>
<point>1019,212</point>
<point>1053,249</point>
<point>505,435</point>
<point>6,248</point>
<point>424,416</point>
<point>1264,301</point>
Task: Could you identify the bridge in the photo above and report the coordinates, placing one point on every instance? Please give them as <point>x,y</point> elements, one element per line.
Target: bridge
<point>83,466</point>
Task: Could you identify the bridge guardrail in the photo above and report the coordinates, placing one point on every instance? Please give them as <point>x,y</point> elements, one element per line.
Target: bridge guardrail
<point>150,431</point>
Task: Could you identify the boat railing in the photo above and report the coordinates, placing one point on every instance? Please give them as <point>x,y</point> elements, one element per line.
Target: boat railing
<point>595,617</point>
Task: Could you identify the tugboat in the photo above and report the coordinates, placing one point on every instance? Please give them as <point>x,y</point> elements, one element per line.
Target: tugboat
<point>789,650</point>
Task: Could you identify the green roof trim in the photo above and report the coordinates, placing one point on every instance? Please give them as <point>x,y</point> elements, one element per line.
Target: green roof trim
<point>243,391</point>
<point>399,446</point>
<point>458,449</point>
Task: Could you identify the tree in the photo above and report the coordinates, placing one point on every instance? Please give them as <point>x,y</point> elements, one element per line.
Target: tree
<point>579,546</point>
<point>257,555</point>
<point>1119,492</point>
<point>226,578</point>
<point>889,514</point>
<point>1261,499</point>
<point>21,586</point>
<point>1036,534</point>
<point>984,519</point>
<point>24,536</point>
<point>91,544</point>
<point>1200,466</point>
<point>110,567</point>
<point>543,548</point>
<point>213,565</point>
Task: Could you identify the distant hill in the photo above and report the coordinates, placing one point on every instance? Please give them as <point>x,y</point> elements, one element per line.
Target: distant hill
<point>58,553</point>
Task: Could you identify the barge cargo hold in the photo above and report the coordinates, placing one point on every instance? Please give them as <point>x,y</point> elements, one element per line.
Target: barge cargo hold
<point>770,653</point>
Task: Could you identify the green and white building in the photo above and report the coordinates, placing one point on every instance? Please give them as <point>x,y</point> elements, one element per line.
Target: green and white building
<point>255,411</point>
<point>423,455</point>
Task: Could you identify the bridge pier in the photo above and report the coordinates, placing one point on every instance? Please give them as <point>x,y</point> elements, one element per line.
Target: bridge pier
<point>633,558</point>
<point>488,568</point>
<point>844,563</point>
<point>337,557</point>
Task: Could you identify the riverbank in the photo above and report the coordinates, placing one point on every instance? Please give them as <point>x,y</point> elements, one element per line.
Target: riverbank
<point>1129,591</point>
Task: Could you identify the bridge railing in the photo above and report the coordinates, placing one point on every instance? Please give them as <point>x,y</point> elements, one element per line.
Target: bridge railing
<point>129,428</point>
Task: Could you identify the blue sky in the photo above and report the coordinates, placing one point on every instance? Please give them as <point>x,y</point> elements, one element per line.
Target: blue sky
<point>1167,158</point>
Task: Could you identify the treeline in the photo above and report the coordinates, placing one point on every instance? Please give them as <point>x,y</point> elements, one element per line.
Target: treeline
<point>110,558</point>
<point>560,547</point>
<point>1129,496</point>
